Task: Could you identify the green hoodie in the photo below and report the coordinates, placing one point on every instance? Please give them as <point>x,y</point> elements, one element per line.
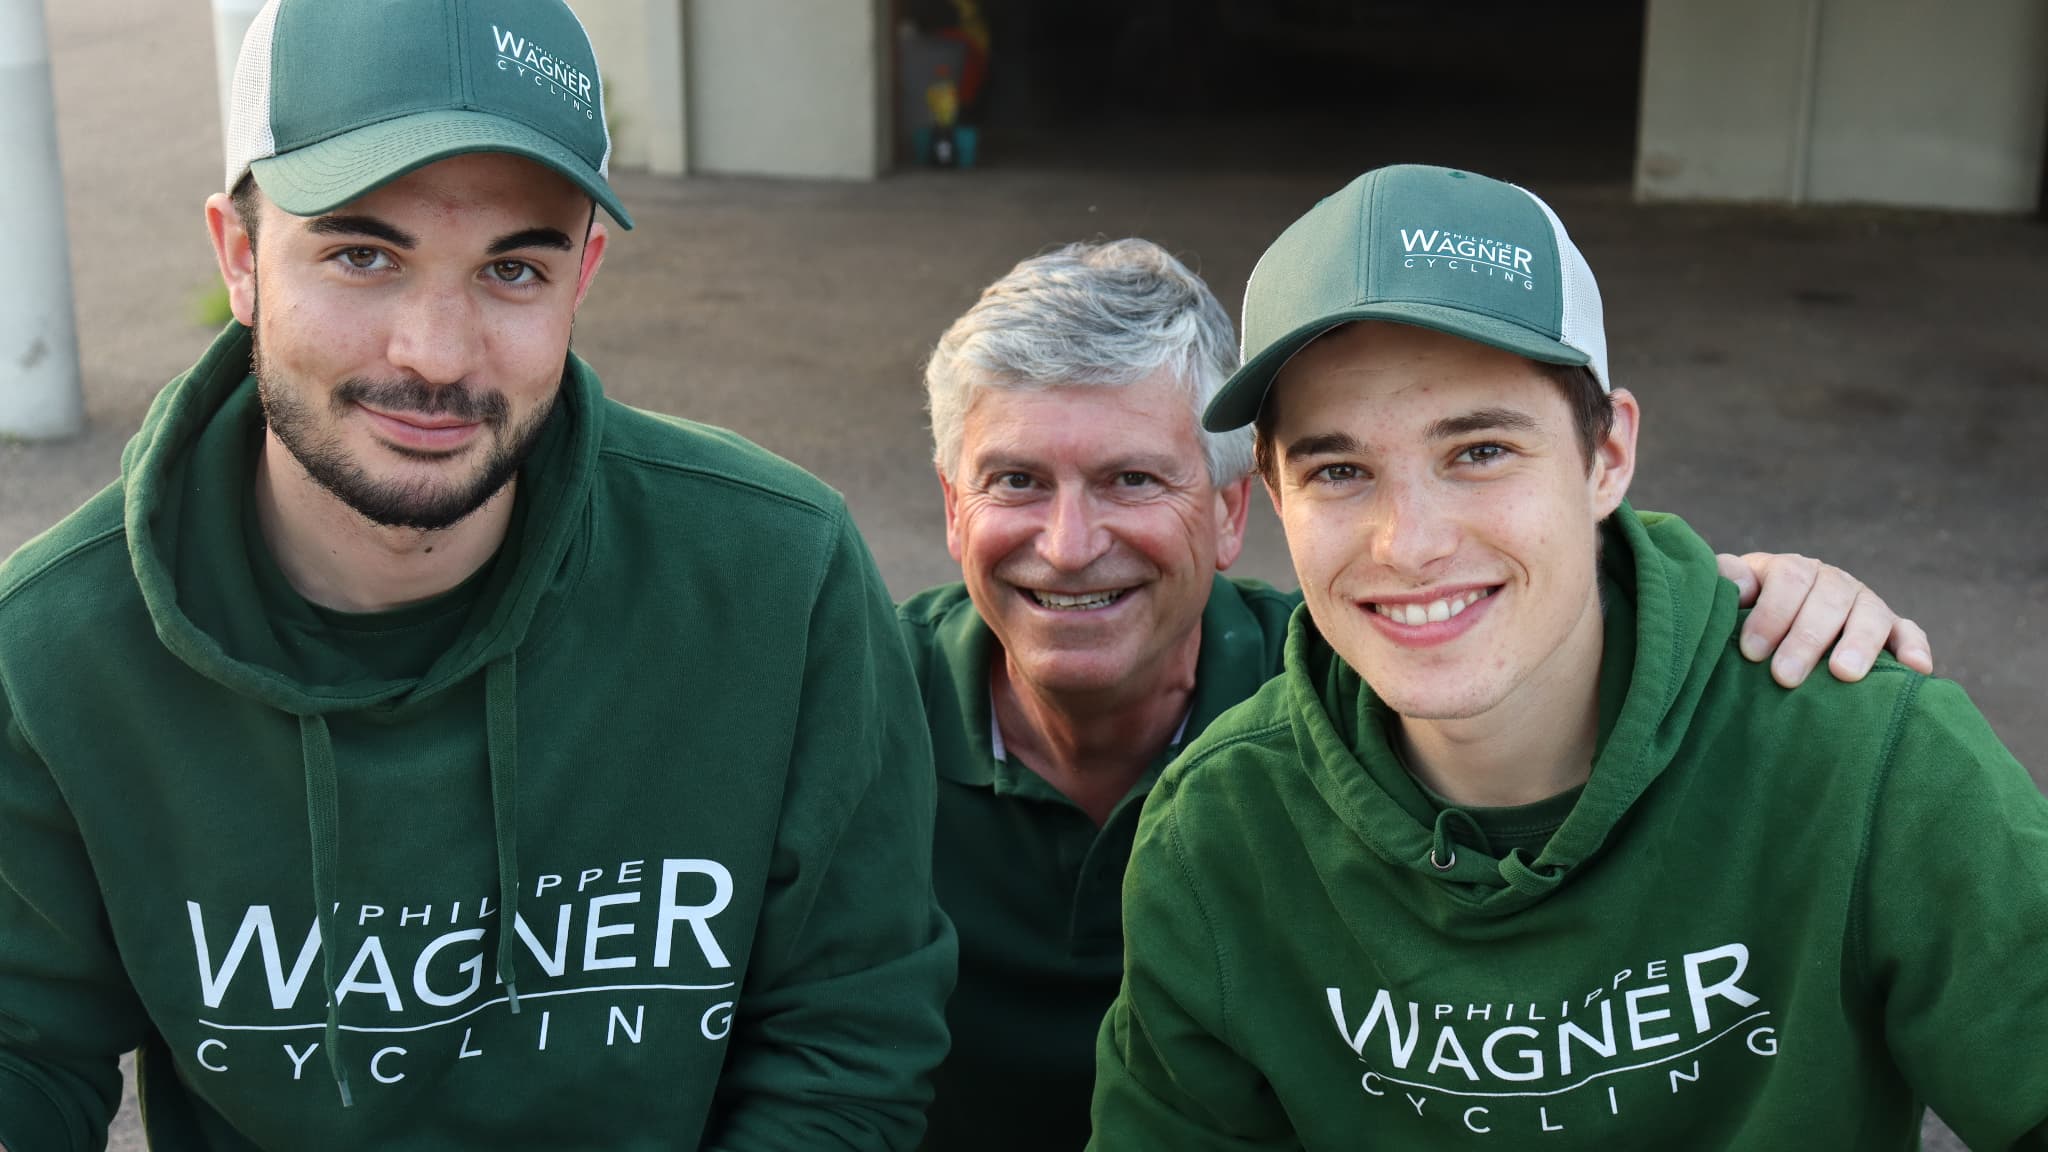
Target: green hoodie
<point>1770,919</point>
<point>669,734</point>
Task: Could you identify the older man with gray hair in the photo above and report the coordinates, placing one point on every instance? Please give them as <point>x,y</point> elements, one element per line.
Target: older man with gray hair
<point>1094,635</point>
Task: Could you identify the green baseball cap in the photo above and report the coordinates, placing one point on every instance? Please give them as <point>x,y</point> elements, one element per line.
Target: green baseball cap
<point>1433,247</point>
<point>335,98</point>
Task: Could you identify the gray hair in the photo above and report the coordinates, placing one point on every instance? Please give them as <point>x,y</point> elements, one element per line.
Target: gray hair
<point>1089,314</point>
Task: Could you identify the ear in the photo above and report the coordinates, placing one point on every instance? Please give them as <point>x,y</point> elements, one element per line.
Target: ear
<point>235,255</point>
<point>1233,503</point>
<point>593,258</point>
<point>953,543</point>
<point>1614,458</point>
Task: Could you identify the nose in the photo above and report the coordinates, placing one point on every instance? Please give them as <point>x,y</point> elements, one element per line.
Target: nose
<point>1073,537</point>
<point>437,333</point>
<point>1409,529</point>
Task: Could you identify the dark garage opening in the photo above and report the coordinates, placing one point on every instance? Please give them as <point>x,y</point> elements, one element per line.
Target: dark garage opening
<point>1525,91</point>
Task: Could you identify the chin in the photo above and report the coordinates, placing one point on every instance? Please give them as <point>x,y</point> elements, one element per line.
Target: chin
<point>1074,673</point>
<point>1437,694</point>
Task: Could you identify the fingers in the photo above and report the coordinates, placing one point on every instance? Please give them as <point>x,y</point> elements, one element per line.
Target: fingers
<point>1869,627</point>
<point>1736,570</point>
<point>1821,618</point>
<point>1784,583</point>
<point>1910,646</point>
<point>1803,608</point>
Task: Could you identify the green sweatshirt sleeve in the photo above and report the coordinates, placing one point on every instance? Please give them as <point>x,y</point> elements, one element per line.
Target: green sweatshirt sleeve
<point>66,1009</point>
<point>842,1019</point>
<point>1166,1076</point>
<point>1954,902</point>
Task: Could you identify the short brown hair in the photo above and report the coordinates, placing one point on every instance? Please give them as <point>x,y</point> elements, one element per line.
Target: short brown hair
<point>246,209</point>
<point>1592,415</point>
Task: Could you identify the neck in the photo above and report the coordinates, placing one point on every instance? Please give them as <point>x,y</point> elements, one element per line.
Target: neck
<point>337,559</point>
<point>1533,745</point>
<point>1094,745</point>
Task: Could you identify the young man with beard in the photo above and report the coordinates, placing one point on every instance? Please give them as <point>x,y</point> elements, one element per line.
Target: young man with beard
<point>417,749</point>
<point>1518,850</point>
<point>1094,636</point>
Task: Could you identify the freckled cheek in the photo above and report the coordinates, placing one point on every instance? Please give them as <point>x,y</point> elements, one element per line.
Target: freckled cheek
<point>1324,550</point>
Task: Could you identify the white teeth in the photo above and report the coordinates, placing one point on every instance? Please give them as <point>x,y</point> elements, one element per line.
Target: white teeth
<point>1435,612</point>
<point>1081,602</point>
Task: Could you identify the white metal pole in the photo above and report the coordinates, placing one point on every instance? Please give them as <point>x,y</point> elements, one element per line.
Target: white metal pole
<point>39,391</point>
<point>231,20</point>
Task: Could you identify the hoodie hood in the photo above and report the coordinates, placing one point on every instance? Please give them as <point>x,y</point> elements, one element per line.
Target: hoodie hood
<point>1668,617</point>
<point>189,481</point>
<point>188,474</point>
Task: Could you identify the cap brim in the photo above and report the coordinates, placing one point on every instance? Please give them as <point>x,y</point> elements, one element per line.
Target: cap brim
<point>322,177</point>
<point>1241,397</point>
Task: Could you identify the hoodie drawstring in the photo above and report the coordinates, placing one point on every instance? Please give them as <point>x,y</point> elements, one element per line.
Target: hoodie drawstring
<point>316,748</point>
<point>501,719</point>
<point>1443,849</point>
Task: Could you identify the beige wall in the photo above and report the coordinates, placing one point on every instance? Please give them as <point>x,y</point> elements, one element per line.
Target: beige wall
<point>1932,102</point>
<point>640,51</point>
<point>787,87</point>
<point>1913,102</point>
<point>761,87</point>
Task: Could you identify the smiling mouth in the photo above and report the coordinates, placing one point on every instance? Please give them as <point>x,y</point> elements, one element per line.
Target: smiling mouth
<point>1075,602</point>
<point>1434,612</point>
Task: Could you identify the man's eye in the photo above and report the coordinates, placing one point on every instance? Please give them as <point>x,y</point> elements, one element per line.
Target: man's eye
<point>1335,474</point>
<point>1134,479</point>
<point>1013,481</point>
<point>514,272</point>
<point>1482,454</point>
<point>363,259</point>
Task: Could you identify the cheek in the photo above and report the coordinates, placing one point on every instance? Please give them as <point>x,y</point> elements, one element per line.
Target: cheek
<point>527,352</point>
<point>988,533</point>
<point>308,330</point>
<point>1317,544</point>
<point>1172,537</point>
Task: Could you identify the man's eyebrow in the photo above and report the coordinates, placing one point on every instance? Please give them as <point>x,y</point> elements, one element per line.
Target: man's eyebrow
<point>1324,444</point>
<point>1483,420</point>
<point>369,226</point>
<point>531,238</point>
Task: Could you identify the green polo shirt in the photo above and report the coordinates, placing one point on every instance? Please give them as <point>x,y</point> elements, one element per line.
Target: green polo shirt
<point>1034,888</point>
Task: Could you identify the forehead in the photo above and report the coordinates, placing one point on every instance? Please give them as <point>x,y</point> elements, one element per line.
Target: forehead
<point>1154,415</point>
<point>486,189</point>
<point>1389,370</point>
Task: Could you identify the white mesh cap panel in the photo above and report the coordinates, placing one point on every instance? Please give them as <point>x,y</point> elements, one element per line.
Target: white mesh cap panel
<point>1584,326</point>
<point>604,165</point>
<point>249,134</point>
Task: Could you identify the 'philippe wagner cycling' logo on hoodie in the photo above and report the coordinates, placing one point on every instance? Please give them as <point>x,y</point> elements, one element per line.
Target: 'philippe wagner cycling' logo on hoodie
<point>1642,1036</point>
<point>606,956</point>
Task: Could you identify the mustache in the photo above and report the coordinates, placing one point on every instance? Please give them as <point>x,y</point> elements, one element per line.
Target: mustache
<point>1106,576</point>
<point>475,406</point>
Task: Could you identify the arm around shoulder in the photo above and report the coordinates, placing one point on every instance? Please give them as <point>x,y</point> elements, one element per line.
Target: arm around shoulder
<point>1954,915</point>
<point>843,1015</point>
<point>1166,1075</point>
<point>67,1011</point>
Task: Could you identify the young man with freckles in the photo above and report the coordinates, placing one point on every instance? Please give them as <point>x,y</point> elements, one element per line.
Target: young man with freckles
<point>1519,849</point>
<point>417,749</point>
